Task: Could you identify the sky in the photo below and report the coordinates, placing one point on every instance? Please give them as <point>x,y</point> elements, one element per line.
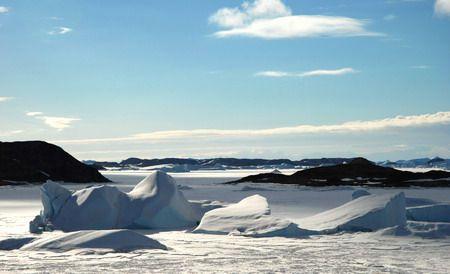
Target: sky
<point>255,79</point>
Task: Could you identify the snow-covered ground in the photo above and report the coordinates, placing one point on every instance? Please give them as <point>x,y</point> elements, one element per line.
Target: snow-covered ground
<point>188,252</point>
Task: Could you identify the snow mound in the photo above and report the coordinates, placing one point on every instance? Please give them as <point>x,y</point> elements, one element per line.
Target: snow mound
<point>367,213</point>
<point>155,202</point>
<point>359,193</point>
<point>115,240</point>
<point>249,217</point>
<point>429,213</point>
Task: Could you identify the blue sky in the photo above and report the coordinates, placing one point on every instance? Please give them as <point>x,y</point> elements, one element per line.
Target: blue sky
<point>265,78</point>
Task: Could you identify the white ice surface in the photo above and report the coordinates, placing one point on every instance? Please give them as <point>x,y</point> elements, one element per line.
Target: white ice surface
<point>200,253</point>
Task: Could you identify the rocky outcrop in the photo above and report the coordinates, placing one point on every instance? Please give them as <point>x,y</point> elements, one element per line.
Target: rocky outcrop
<point>37,162</point>
<point>357,172</point>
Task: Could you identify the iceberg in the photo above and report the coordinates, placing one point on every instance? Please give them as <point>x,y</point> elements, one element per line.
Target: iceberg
<point>429,213</point>
<point>359,193</point>
<point>411,202</point>
<point>428,230</point>
<point>366,213</point>
<point>249,217</point>
<point>154,203</point>
<point>122,240</point>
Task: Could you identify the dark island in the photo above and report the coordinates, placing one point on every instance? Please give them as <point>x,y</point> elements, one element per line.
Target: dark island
<point>37,162</point>
<point>358,172</point>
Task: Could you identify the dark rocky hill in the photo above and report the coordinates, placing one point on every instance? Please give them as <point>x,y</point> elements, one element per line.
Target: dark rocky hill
<point>37,161</point>
<point>359,171</point>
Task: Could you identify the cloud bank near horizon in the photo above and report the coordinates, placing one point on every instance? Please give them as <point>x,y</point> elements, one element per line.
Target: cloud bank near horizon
<point>412,121</point>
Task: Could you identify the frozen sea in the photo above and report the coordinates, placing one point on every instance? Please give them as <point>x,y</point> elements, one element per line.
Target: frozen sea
<point>198,253</point>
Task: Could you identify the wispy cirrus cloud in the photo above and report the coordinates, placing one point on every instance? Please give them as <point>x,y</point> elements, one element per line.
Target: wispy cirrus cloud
<point>312,73</point>
<point>439,118</point>
<point>56,122</point>
<point>3,98</point>
<point>442,7</point>
<point>4,9</point>
<point>34,113</point>
<point>272,19</point>
<point>60,31</point>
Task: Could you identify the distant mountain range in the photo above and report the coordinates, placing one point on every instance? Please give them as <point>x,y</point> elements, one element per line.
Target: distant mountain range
<point>188,164</point>
<point>435,162</point>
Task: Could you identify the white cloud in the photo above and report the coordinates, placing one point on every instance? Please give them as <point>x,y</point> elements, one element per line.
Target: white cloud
<point>439,118</point>
<point>322,72</point>
<point>275,73</point>
<point>58,123</point>
<point>335,72</point>
<point>9,133</point>
<point>442,7</point>
<point>34,113</point>
<point>3,99</point>
<point>4,9</point>
<point>271,19</point>
<point>247,12</point>
<point>60,30</point>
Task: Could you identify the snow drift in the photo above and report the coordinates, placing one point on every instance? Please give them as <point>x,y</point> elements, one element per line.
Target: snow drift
<point>249,217</point>
<point>366,213</point>
<point>155,202</point>
<point>116,240</point>
<point>429,213</point>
